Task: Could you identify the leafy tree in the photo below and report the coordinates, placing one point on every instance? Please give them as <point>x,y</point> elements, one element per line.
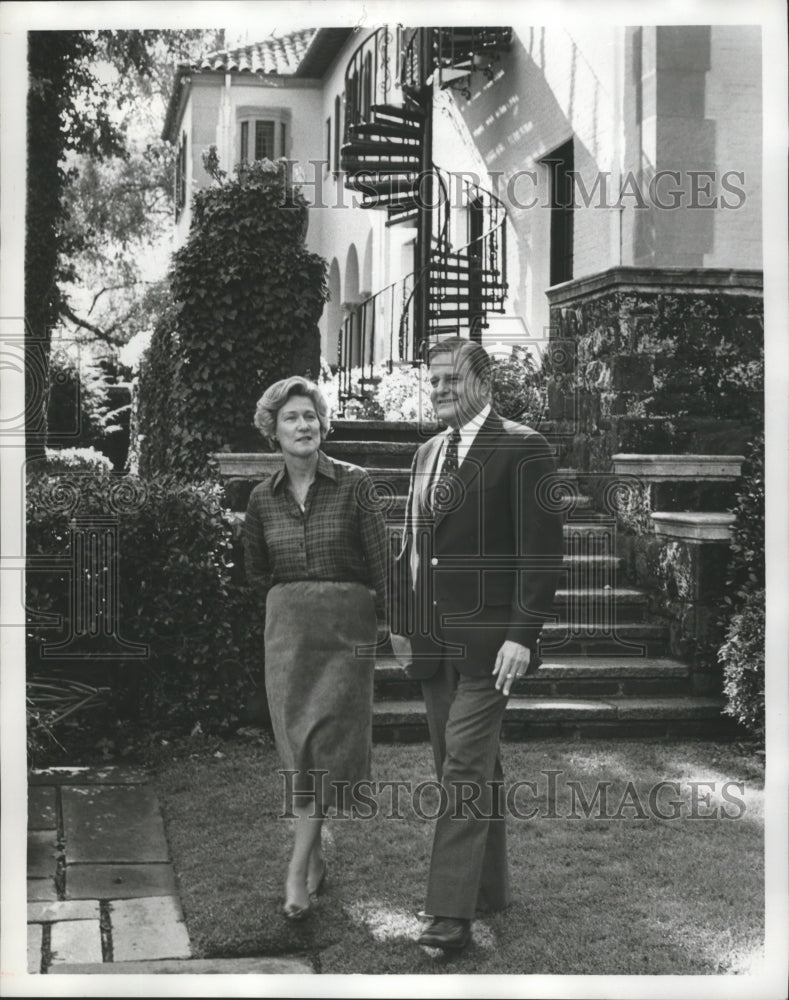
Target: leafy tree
<point>247,296</point>
<point>80,118</point>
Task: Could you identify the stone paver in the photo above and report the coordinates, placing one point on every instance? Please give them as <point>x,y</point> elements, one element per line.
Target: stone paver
<point>119,881</point>
<point>41,889</point>
<point>42,853</point>
<point>41,813</point>
<point>201,966</point>
<point>35,933</point>
<point>75,941</point>
<point>81,909</point>
<point>112,823</point>
<point>148,928</point>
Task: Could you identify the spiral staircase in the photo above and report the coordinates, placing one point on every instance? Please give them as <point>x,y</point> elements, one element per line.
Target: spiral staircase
<point>386,159</point>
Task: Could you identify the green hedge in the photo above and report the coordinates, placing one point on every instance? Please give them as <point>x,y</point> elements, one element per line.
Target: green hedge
<point>247,297</point>
<point>177,593</point>
<point>742,656</point>
<point>742,652</point>
<point>746,567</point>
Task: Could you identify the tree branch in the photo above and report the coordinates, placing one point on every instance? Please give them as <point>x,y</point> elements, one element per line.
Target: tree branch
<point>114,288</point>
<point>103,335</point>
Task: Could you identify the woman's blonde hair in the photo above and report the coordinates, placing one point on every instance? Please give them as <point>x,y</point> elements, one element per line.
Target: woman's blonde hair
<point>277,395</point>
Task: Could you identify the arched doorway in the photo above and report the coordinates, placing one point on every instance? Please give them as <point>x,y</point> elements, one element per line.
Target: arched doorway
<point>352,347</point>
<point>334,316</point>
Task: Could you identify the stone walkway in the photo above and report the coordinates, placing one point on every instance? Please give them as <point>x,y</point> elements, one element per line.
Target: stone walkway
<point>101,890</point>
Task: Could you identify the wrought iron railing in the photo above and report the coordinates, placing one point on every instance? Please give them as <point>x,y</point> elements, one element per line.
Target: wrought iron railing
<point>485,254</point>
<point>371,76</point>
<point>463,282</point>
<point>381,328</point>
<point>377,329</point>
<point>413,71</point>
<point>429,50</point>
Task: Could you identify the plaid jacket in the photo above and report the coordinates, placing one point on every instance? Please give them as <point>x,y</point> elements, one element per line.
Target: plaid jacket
<point>340,536</point>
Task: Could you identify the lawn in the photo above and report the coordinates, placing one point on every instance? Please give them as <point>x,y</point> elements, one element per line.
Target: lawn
<point>618,891</point>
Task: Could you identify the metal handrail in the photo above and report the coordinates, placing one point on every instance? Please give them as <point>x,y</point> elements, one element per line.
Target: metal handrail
<point>357,334</point>
<point>369,77</point>
<point>430,49</point>
<point>491,241</point>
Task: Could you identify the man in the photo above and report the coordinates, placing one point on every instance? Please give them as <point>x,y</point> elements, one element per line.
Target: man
<point>481,559</point>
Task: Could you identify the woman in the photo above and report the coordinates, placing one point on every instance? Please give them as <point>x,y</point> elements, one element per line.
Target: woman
<point>315,545</point>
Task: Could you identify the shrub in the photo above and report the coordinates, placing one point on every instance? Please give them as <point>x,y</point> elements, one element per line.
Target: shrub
<point>746,565</point>
<point>247,297</point>
<point>404,393</point>
<point>88,405</point>
<point>78,408</point>
<point>517,393</point>
<point>742,657</point>
<point>174,592</point>
<point>742,652</point>
<point>74,459</point>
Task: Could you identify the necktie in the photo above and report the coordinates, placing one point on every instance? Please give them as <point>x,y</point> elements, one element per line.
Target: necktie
<point>442,490</point>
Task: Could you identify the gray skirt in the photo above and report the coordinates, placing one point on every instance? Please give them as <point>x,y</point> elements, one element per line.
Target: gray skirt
<point>319,684</point>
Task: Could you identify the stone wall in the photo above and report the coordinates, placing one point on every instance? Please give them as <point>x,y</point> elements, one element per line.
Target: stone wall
<point>656,361</point>
<point>685,585</point>
<point>660,361</point>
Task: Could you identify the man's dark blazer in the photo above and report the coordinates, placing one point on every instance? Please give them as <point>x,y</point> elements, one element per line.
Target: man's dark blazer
<point>489,558</point>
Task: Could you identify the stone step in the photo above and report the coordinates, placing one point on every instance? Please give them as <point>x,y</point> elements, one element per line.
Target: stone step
<point>404,721</point>
<point>600,564</point>
<point>383,430</point>
<point>591,604</point>
<point>397,454</point>
<point>580,562</point>
<point>623,638</point>
<point>593,536</point>
<point>579,676</point>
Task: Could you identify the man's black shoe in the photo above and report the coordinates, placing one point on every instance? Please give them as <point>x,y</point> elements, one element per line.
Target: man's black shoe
<point>450,933</point>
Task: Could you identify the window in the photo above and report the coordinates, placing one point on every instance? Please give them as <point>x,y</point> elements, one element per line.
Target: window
<point>560,164</point>
<point>327,165</point>
<point>180,177</point>
<point>262,133</point>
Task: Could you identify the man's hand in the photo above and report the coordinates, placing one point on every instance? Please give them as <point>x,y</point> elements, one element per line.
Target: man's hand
<point>512,661</point>
<point>401,646</point>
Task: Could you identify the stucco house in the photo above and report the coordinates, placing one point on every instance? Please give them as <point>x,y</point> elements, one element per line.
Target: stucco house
<point>591,193</point>
<point>561,155</point>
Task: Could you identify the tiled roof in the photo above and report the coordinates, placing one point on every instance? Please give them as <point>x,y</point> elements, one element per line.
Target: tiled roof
<point>274,55</point>
<point>305,53</point>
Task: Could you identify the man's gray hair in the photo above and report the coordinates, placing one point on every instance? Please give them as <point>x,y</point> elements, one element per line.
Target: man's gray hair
<point>470,351</point>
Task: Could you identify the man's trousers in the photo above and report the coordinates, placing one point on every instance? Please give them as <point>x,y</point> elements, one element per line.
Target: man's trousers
<point>468,866</point>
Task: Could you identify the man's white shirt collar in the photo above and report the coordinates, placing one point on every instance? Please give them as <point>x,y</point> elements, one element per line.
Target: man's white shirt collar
<point>467,433</point>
